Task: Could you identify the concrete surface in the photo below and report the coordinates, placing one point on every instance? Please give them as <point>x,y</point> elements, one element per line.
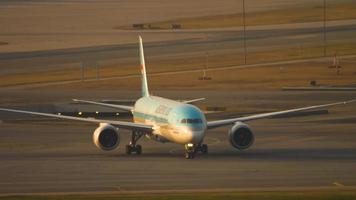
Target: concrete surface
<point>309,152</point>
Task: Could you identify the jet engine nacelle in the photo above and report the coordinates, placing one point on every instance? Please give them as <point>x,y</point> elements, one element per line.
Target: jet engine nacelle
<point>241,136</point>
<point>106,137</point>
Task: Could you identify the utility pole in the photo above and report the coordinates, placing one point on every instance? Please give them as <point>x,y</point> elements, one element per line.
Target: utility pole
<point>324,29</point>
<point>244,30</point>
<point>97,71</point>
<point>206,63</point>
<point>205,77</point>
<point>336,64</point>
<point>82,71</point>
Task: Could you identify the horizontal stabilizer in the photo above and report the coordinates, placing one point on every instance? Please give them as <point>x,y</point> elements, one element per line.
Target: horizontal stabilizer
<point>193,100</point>
<point>121,107</point>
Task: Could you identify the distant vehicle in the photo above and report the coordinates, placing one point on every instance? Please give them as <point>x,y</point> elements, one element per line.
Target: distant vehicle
<point>166,120</point>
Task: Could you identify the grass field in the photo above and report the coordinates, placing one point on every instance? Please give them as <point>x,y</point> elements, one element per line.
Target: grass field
<point>255,78</point>
<point>310,195</point>
<point>259,78</point>
<point>310,13</point>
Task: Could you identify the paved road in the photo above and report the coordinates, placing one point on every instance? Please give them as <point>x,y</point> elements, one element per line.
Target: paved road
<point>306,152</point>
<point>216,42</point>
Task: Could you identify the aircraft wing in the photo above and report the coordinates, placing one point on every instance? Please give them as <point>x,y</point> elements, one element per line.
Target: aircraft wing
<point>193,100</point>
<point>121,107</point>
<point>219,123</point>
<point>120,124</point>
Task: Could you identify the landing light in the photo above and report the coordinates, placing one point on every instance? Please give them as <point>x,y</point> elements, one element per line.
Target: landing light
<point>80,113</point>
<point>190,145</point>
<point>97,112</point>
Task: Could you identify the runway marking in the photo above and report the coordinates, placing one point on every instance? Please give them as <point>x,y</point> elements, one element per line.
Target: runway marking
<point>172,151</point>
<point>178,191</point>
<point>215,140</point>
<point>338,184</point>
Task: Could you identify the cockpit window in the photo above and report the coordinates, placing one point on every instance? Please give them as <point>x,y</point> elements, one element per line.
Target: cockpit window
<point>191,121</point>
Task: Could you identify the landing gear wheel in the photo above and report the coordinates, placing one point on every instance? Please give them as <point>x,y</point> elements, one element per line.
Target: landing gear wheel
<point>138,149</point>
<point>189,155</point>
<point>128,149</point>
<point>204,148</point>
<point>133,149</point>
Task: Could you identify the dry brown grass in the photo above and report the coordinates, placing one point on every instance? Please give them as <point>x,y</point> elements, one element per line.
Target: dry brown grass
<point>259,78</point>
<point>156,65</point>
<point>3,43</point>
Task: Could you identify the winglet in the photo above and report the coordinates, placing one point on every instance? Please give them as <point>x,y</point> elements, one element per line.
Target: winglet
<point>144,85</point>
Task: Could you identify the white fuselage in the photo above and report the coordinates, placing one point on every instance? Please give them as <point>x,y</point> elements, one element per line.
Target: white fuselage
<point>171,120</point>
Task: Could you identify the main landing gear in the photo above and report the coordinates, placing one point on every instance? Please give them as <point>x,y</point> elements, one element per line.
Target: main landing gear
<point>133,147</point>
<point>191,150</point>
<point>203,148</point>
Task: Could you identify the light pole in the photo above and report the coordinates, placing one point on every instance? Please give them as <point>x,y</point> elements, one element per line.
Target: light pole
<point>244,30</point>
<point>82,71</point>
<point>97,70</point>
<point>324,29</point>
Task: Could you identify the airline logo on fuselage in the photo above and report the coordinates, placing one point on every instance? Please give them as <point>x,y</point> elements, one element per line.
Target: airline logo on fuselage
<point>163,110</point>
<point>141,68</point>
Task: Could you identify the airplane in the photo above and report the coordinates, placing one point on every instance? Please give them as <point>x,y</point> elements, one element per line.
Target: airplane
<point>166,120</point>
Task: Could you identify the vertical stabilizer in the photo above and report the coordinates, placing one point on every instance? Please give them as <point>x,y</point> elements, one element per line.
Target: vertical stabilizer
<point>144,86</point>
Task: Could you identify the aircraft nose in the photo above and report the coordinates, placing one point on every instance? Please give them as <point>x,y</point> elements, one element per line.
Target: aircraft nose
<point>196,136</point>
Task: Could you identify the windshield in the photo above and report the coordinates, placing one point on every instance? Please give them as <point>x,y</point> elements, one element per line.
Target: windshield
<point>191,121</point>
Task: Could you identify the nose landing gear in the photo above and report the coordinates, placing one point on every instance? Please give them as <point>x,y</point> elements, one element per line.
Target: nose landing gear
<point>191,150</point>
